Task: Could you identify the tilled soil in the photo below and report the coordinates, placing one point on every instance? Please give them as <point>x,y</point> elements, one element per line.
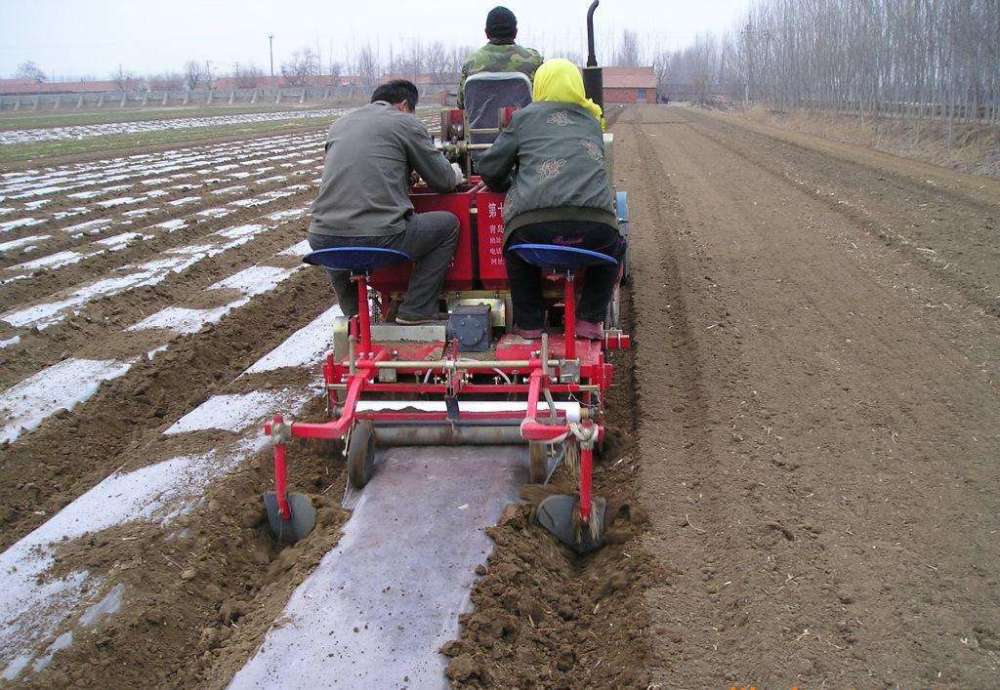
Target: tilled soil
<point>817,411</point>
<point>238,135</point>
<point>72,451</point>
<point>198,598</point>
<point>544,617</point>
<point>45,282</point>
<point>97,330</point>
<point>801,474</point>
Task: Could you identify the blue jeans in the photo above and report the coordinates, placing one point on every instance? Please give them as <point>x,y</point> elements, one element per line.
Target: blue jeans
<point>598,284</point>
<point>429,239</point>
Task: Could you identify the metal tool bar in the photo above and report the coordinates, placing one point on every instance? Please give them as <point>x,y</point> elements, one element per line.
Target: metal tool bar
<point>464,364</point>
<point>470,388</point>
<point>572,410</point>
<point>448,435</point>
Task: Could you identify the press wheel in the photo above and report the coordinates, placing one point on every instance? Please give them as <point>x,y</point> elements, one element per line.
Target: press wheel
<point>538,462</point>
<point>361,454</point>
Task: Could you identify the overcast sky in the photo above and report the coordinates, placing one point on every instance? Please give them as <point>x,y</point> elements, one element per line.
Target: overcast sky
<point>92,37</point>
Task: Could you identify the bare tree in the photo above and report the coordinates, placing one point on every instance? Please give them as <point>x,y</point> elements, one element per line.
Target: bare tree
<point>436,62</point>
<point>661,68</point>
<point>334,71</point>
<point>696,72</point>
<point>627,54</point>
<point>457,57</point>
<point>369,68</point>
<point>247,76</point>
<point>408,63</point>
<point>907,58</point>
<point>574,56</point>
<point>195,75</point>
<point>30,72</point>
<point>165,81</point>
<point>300,67</point>
<point>124,80</point>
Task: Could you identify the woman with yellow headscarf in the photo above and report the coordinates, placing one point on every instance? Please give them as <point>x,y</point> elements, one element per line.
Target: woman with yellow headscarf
<point>559,81</point>
<point>550,161</point>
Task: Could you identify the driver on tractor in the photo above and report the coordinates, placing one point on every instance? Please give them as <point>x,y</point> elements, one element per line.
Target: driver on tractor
<point>364,198</point>
<point>550,161</point>
<point>501,54</point>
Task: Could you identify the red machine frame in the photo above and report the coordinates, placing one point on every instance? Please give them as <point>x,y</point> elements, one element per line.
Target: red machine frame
<point>535,371</point>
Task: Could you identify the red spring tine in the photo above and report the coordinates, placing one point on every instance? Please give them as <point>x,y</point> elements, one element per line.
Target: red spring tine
<point>364,315</point>
<point>586,467</point>
<point>281,475</point>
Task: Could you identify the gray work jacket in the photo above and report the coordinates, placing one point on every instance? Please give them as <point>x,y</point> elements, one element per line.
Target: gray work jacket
<point>550,159</point>
<point>366,177</point>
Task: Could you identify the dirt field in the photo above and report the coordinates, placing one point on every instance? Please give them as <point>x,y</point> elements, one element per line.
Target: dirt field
<point>817,378</point>
<point>966,147</point>
<point>802,472</point>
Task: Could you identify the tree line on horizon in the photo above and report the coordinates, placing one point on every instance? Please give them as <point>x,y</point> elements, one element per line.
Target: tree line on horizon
<point>368,65</point>
<point>919,57</point>
<point>915,57</point>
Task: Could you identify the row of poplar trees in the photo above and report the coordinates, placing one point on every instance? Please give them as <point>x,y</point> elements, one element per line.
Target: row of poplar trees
<point>920,58</point>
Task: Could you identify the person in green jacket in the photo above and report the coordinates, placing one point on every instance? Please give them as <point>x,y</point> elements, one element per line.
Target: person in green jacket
<point>501,54</point>
<point>550,161</point>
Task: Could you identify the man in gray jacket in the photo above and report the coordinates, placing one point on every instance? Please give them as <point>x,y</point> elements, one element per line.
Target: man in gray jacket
<point>364,197</point>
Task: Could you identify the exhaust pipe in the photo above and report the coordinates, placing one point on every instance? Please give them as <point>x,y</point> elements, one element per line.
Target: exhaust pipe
<point>593,76</point>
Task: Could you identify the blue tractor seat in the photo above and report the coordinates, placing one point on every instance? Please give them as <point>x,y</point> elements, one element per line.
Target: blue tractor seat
<point>356,259</point>
<point>556,257</point>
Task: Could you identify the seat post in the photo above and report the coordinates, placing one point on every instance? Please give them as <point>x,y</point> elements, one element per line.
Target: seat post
<point>569,317</point>
<point>364,315</point>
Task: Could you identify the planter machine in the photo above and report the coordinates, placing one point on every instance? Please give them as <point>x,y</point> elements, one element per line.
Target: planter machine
<point>467,381</point>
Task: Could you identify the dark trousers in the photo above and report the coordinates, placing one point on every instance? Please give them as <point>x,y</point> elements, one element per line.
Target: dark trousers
<point>598,284</point>
<point>429,239</point>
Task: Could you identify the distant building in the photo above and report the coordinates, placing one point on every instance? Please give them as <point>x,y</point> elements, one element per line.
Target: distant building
<point>429,84</point>
<point>629,85</point>
<point>317,81</point>
<point>18,87</point>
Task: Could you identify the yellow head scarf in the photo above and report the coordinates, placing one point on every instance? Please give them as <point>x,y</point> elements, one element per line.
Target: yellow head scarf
<point>560,81</point>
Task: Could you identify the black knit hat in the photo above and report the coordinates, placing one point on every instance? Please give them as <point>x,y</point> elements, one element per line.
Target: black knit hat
<point>501,24</point>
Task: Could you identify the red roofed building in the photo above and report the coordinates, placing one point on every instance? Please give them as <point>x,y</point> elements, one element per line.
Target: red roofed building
<point>15,87</point>
<point>629,85</point>
<point>319,81</point>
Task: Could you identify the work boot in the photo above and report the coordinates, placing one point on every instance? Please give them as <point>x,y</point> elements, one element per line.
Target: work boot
<point>421,320</point>
<point>589,330</point>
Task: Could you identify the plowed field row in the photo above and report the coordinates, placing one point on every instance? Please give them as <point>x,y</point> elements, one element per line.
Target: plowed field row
<point>23,136</point>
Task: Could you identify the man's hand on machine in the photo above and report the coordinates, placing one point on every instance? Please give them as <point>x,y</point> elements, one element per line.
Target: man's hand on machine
<point>459,175</point>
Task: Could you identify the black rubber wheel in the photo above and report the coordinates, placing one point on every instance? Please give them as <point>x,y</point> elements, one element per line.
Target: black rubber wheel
<point>538,462</point>
<point>361,454</point>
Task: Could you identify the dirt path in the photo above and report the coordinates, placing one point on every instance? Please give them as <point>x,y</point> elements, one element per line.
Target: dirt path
<point>818,437</point>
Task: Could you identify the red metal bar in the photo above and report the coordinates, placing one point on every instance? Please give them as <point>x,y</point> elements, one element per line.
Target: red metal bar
<point>467,389</point>
<point>281,475</point>
<point>393,416</point>
<point>364,315</point>
<point>586,469</point>
<point>334,429</point>
<point>569,317</point>
<point>531,429</point>
<point>622,342</point>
